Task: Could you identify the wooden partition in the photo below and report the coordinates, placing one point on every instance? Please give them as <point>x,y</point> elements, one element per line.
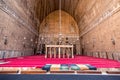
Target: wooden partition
<point>89,72</point>
<point>59,49</point>
<point>113,72</point>
<point>9,72</point>
<point>36,71</point>
<point>62,72</point>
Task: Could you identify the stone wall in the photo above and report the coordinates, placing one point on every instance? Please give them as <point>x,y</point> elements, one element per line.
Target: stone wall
<point>101,36</point>
<point>17,30</point>
<point>58,26</point>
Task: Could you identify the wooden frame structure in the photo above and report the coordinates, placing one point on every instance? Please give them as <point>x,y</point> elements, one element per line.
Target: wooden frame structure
<point>59,48</point>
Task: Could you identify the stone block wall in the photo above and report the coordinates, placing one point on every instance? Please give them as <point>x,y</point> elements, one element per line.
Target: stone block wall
<point>102,36</point>
<point>56,28</point>
<point>17,29</point>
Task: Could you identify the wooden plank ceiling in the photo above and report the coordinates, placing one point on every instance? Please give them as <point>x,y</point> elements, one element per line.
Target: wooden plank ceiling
<point>44,7</point>
<point>84,12</point>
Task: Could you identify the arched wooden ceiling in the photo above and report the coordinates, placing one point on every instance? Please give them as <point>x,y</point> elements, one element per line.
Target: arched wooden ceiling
<point>80,10</point>
<point>85,12</point>
<point>44,7</point>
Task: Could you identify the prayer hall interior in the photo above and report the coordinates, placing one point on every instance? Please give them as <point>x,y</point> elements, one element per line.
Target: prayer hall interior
<point>60,37</point>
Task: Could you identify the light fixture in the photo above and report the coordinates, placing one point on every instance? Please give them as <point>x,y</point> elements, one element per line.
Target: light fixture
<point>77,39</point>
<point>60,34</point>
<point>24,44</point>
<point>113,41</point>
<point>24,38</point>
<point>36,42</point>
<point>31,40</point>
<point>5,40</point>
<point>42,38</point>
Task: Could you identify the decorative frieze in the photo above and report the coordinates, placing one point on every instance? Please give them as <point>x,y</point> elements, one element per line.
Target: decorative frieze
<point>4,7</point>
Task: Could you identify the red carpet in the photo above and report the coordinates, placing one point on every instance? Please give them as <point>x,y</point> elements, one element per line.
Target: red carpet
<point>39,61</point>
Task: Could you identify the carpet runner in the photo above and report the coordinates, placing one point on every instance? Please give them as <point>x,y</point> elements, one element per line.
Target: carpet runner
<point>66,67</point>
